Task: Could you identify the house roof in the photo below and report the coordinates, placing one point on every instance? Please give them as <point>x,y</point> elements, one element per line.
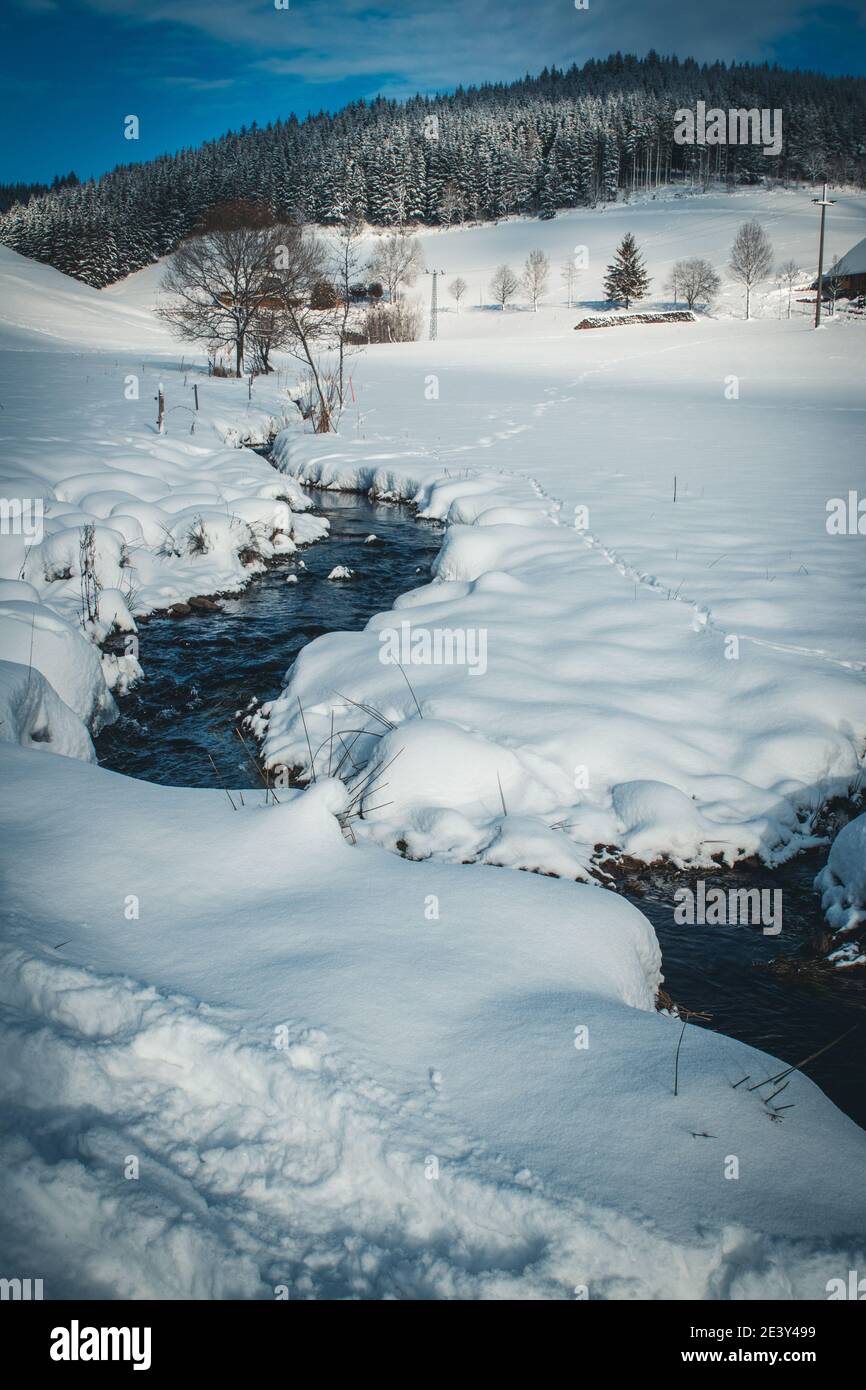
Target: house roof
<point>853,262</point>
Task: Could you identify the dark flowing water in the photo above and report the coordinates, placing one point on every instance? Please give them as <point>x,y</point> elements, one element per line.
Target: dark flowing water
<point>201,670</point>
<point>753,987</point>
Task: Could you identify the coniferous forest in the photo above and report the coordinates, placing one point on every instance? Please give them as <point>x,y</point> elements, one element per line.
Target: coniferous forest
<point>563,139</point>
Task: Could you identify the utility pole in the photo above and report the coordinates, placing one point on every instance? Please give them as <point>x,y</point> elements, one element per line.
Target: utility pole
<point>823,203</point>
<point>433,304</point>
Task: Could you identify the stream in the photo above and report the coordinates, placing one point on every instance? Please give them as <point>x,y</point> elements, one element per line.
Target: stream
<point>749,985</point>
<point>201,670</point>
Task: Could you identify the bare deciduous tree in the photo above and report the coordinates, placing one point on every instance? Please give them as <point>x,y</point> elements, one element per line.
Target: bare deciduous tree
<point>397,260</point>
<point>504,285</point>
<point>833,281</point>
<point>457,289</point>
<point>308,334</point>
<point>299,264</point>
<point>694,279</point>
<point>267,334</point>
<point>296,269</point>
<point>568,274</point>
<point>245,278</point>
<point>536,272</point>
<point>751,257</point>
<point>218,279</point>
<point>346,265</point>
<point>789,274</point>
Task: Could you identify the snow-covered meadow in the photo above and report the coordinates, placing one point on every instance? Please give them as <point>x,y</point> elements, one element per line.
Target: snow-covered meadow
<point>675,641</point>
<point>341,1073</point>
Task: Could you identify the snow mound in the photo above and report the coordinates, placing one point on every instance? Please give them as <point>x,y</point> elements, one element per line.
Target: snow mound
<point>274,1098</point>
<point>33,636</point>
<point>32,714</point>
<point>617,699</point>
<point>842,885</point>
<point>655,818</point>
<point>428,763</point>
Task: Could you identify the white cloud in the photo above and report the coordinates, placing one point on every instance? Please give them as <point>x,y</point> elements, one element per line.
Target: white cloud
<point>198,84</point>
<point>429,46</point>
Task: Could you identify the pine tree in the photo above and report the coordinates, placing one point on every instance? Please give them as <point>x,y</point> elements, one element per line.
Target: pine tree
<point>626,279</point>
<point>551,192</point>
<point>610,167</point>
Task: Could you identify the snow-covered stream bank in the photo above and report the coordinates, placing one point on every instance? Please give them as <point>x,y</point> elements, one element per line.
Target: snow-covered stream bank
<point>203,669</point>
<point>771,992</point>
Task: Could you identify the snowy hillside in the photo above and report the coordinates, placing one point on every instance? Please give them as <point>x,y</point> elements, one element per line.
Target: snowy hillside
<point>579,137</point>
<point>347,1074</point>
<point>41,308</point>
<point>668,227</point>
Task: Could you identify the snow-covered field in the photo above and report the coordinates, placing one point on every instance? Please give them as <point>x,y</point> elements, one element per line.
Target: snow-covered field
<point>712,645</point>
<point>241,1054</point>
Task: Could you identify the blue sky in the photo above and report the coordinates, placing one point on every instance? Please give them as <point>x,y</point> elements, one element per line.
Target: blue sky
<point>71,70</point>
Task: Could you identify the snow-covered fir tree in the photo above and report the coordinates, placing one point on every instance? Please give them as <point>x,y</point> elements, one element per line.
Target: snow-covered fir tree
<point>626,279</point>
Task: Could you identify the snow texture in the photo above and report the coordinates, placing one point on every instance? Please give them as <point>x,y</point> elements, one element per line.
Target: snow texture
<point>240,1054</point>
<point>359,1077</point>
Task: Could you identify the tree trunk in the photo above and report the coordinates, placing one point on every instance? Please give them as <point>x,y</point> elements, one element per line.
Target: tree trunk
<point>239,355</point>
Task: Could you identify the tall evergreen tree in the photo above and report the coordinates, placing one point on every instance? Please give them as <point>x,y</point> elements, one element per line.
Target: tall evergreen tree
<point>626,279</point>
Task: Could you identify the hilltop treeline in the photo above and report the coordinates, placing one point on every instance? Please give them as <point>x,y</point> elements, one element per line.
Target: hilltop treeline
<point>562,139</point>
<point>12,193</point>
